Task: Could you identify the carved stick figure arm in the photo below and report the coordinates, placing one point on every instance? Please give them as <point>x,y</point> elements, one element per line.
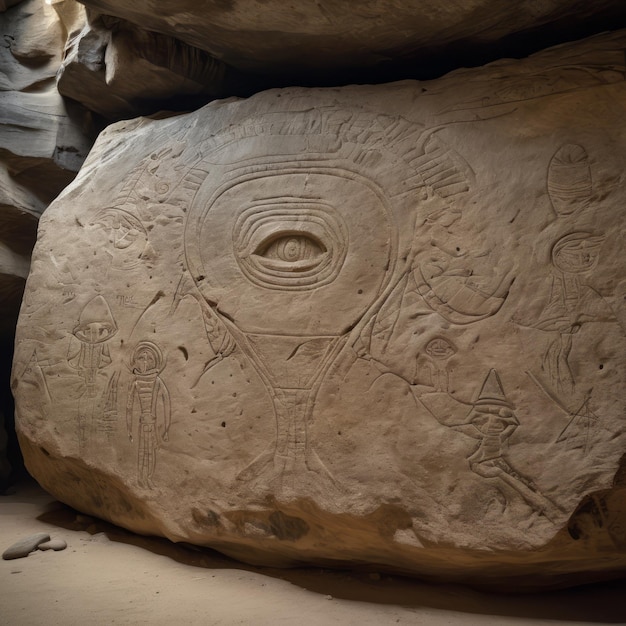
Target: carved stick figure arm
<point>132,390</point>
<point>468,429</point>
<point>167,407</point>
<point>105,357</point>
<point>508,431</point>
<point>73,354</point>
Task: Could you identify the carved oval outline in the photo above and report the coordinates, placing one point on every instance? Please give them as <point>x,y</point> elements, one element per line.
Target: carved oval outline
<point>316,220</point>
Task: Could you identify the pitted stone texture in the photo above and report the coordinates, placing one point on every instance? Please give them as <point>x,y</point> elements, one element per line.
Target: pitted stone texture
<point>377,325</point>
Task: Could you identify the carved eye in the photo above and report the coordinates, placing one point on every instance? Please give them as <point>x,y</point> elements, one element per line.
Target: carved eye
<point>296,245</point>
<point>290,252</point>
<point>293,249</point>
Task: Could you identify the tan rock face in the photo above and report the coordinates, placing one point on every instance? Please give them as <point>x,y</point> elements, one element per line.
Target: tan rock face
<point>379,325</point>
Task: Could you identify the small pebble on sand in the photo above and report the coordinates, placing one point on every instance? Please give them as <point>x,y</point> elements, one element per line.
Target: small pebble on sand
<point>53,544</point>
<point>25,546</point>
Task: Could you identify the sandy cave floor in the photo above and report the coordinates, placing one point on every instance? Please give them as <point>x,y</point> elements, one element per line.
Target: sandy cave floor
<point>110,576</point>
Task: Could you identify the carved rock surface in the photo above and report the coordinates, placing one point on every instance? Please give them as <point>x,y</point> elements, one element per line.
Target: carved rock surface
<point>377,326</point>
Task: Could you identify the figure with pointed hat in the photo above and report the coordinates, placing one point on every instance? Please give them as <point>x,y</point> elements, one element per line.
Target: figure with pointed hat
<point>493,416</point>
<point>89,354</point>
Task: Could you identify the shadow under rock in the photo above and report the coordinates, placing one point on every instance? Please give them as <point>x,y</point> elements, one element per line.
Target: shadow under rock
<point>593,603</point>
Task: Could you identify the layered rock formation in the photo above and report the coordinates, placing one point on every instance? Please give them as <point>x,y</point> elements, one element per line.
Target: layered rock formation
<point>41,147</point>
<point>365,325</point>
<point>311,38</point>
<point>120,71</point>
<point>43,142</point>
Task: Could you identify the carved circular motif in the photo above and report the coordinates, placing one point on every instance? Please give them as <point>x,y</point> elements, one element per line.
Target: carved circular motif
<point>291,245</point>
<point>576,253</point>
<point>290,248</point>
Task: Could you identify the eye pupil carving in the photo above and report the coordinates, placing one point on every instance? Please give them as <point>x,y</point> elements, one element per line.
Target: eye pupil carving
<point>290,244</point>
<point>292,248</point>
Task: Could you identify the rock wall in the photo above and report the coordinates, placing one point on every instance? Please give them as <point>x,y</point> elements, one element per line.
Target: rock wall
<point>365,325</point>
<point>309,39</point>
<point>121,71</point>
<point>43,142</point>
<point>41,148</point>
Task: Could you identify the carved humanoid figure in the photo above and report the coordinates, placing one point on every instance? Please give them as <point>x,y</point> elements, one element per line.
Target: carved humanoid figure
<point>89,355</point>
<point>493,419</point>
<point>274,242</point>
<point>439,350</point>
<point>153,401</point>
<point>572,303</point>
<point>272,251</point>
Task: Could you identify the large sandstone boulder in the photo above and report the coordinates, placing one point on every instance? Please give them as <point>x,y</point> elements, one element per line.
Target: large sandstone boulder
<point>377,326</point>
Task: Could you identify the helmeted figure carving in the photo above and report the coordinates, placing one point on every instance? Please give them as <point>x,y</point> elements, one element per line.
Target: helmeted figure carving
<point>89,354</point>
<point>153,400</point>
<point>572,303</point>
